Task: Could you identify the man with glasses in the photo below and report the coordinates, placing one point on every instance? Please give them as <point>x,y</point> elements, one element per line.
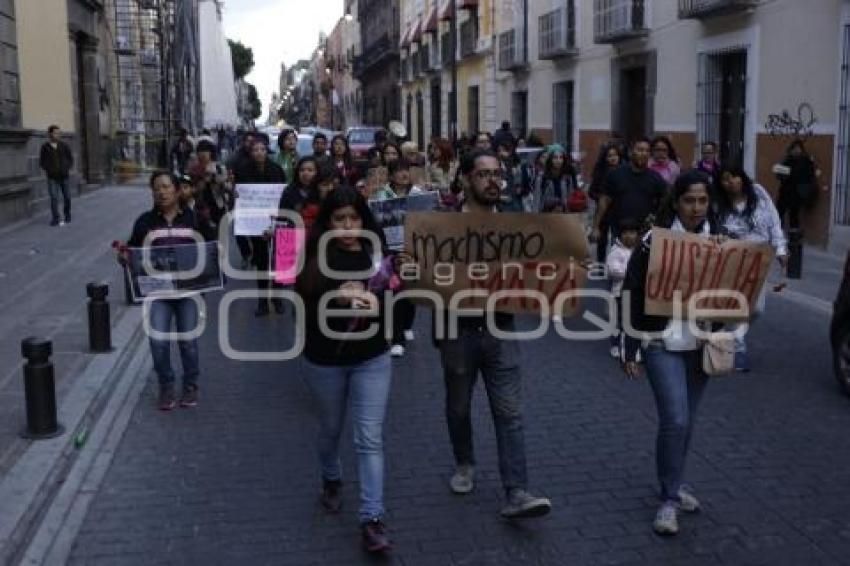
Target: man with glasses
<point>476,350</point>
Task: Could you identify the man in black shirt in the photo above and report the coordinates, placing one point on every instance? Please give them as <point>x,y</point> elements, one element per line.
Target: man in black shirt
<point>630,191</point>
<point>56,160</point>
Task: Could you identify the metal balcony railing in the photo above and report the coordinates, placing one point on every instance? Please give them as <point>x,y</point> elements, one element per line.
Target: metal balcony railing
<point>709,8</point>
<point>511,50</point>
<point>375,53</point>
<point>618,20</point>
<point>557,32</point>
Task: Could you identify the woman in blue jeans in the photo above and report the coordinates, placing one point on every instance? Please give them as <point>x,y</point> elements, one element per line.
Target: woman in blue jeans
<point>671,353</point>
<point>349,370</point>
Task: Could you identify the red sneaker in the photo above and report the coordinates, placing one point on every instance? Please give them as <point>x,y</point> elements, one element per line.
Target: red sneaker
<point>166,398</point>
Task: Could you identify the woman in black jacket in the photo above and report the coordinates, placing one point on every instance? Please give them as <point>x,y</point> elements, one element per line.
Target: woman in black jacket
<point>671,353</point>
<point>257,170</point>
<point>798,189</point>
<point>351,369</point>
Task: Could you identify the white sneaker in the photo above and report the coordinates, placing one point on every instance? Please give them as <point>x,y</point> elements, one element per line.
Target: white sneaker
<point>408,335</point>
<point>615,352</point>
<point>687,502</point>
<point>463,479</point>
<point>61,223</point>
<point>638,357</point>
<point>557,319</point>
<point>666,522</point>
<point>397,351</point>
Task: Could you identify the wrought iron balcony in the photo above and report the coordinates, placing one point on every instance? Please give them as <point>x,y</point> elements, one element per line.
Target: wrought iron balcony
<point>557,32</point>
<point>374,54</point>
<point>696,9</point>
<point>511,51</point>
<point>618,20</point>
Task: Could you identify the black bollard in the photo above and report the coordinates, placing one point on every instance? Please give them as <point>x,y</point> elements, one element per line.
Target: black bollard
<point>100,339</point>
<point>795,254</point>
<point>39,390</point>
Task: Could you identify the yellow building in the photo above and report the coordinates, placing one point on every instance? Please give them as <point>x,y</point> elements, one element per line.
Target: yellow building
<point>426,67</point>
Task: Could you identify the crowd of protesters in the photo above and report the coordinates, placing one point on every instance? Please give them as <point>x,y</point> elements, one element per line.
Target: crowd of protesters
<point>633,187</point>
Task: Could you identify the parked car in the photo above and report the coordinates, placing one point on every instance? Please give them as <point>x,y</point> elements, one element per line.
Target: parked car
<point>840,331</point>
<point>360,139</point>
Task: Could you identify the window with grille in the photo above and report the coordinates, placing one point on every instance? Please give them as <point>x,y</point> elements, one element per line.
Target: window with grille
<point>557,31</point>
<point>841,213</point>
<point>472,110</point>
<point>562,113</point>
<point>519,112</point>
<point>721,102</point>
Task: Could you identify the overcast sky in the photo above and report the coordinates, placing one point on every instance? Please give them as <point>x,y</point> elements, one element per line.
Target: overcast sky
<point>279,31</point>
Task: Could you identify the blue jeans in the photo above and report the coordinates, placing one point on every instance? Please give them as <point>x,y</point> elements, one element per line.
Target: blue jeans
<point>185,314</point>
<point>474,350</point>
<point>54,187</point>
<point>678,381</point>
<point>366,388</point>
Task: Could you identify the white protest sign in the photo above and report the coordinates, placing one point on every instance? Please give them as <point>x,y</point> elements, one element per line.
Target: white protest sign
<point>256,204</point>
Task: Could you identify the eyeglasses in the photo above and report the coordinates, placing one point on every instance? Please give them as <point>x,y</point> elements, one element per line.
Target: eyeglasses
<point>483,174</point>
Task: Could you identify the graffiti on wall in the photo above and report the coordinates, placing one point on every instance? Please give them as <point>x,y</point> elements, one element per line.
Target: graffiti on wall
<point>785,124</point>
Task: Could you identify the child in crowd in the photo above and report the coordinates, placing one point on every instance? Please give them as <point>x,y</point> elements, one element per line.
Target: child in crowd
<point>616,263</point>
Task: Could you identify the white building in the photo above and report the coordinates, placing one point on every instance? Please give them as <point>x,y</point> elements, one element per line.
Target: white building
<point>695,70</point>
<point>218,90</point>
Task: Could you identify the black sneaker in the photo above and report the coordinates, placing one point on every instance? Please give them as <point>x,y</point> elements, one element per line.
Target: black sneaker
<point>189,398</point>
<point>68,219</point>
<point>375,536</point>
<point>54,222</point>
<point>166,398</point>
<point>331,498</point>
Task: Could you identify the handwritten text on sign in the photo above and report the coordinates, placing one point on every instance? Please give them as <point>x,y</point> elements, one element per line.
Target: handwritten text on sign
<point>256,205</point>
<point>288,243</point>
<point>687,264</point>
<point>532,255</point>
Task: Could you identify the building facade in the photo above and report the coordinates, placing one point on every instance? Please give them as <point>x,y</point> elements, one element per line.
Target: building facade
<point>52,73</point>
<point>695,70</point>
<point>428,53</point>
<point>377,67</point>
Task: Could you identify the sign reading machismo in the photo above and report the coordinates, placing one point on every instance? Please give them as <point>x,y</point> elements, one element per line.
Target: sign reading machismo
<point>522,259</point>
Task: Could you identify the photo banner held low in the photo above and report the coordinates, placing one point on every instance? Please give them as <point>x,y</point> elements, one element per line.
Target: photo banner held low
<point>537,253</point>
<point>180,270</point>
<point>688,263</point>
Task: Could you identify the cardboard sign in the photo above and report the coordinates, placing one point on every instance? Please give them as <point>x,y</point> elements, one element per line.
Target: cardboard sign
<point>531,253</point>
<point>288,243</point>
<point>687,263</point>
<point>168,270</point>
<point>390,214</point>
<point>255,207</point>
<point>376,178</point>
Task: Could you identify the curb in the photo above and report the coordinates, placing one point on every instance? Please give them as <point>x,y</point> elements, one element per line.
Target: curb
<point>56,533</point>
<point>33,482</point>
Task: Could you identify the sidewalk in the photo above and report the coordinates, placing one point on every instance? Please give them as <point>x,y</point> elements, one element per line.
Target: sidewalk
<point>43,275</point>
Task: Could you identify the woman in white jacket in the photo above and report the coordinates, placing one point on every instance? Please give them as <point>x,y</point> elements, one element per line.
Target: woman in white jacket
<point>746,212</point>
